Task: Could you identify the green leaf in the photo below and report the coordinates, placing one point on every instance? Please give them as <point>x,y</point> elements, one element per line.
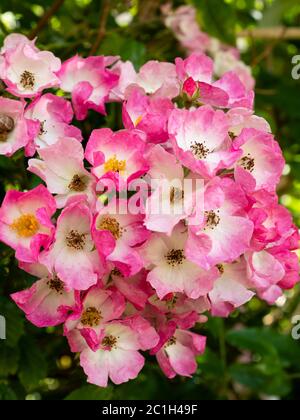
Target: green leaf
<point>8,360</point>
<point>6,393</point>
<point>255,378</point>
<point>14,321</point>
<point>33,367</point>
<point>274,14</point>
<point>92,393</point>
<point>252,339</point>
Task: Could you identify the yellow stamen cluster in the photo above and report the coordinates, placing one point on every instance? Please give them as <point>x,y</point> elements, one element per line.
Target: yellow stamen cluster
<point>112,225</point>
<point>91,317</point>
<point>115,165</point>
<point>26,226</point>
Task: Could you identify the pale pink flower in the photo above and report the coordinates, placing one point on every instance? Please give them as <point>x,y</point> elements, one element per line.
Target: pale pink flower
<point>61,167</point>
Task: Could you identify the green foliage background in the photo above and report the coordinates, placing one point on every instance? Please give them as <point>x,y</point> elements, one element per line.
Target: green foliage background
<point>259,360</point>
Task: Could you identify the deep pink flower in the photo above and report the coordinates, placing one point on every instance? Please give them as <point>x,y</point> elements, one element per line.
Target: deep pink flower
<point>147,114</point>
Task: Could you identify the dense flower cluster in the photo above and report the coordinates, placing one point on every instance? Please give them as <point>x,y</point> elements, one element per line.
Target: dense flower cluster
<point>123,281</point>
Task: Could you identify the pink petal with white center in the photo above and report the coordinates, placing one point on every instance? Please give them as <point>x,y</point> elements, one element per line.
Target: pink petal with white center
<point>27,71</point>
<point>54,114</point>
<point>230,290</point>
<point>46,303</point>
<point>200,140</point>
<point>18,136</point>
<point>63,171</point>
<point>159,79</point>
<point>72,255</point>
<point>171,271</point>
<point>118,156</point>
<point>127,76</point>
<point>262,162</point>
<point>239,97</point>
<point>25,222</point>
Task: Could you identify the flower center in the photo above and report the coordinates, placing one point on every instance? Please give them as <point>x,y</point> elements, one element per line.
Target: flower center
<point>138,120</point>
<point>112,225</point>
<point>212,219</point>
<point>56,285</point>
<point>200,151</point>
<point>109,342</point>
<point>91,317</point>
<point>171,342</point>
<point>248,163</point>
<point>42,128</point>
<point>77,184</point>
<point>76,240</point>
<point>175,257</point>
<point>115,165</point>
<point>26,226</point>
<point>27,80</point>
<point>176,195</point>
<point>7,125</point>
<point>221,268</point>
<point>171,303</point>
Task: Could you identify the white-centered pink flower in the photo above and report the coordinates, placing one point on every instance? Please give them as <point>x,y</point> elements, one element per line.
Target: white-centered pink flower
<point>15,129</point>
<point>261,164</point>
<point>117,156</point>
<point>171,271</point>
<point>225,231</point>
<point>92,314</point>
<point>201,140</point>
<point>73,255</point>
<point>26,70</point>
<point>61,167</point>
<point>54,116</point>
<point>118,356</point>
<point>47,302</point>
<point>25,222</point>
<point>177,350</point>
<point>117,233</point>
<point>231,290</point>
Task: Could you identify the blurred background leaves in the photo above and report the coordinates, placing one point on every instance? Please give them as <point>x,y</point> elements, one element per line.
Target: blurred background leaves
<point>251,355</point>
